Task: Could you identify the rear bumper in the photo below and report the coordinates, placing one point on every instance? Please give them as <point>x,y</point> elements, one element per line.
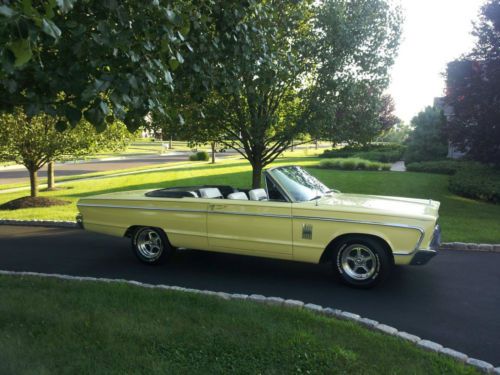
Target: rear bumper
<point>79,221</point>
<point>422,256</point>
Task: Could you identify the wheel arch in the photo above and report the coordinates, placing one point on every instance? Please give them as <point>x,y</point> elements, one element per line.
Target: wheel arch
<point>327,254</point>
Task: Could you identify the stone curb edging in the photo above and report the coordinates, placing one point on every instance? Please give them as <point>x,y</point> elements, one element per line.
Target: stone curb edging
<point>484,247</point>
<point>480,365</point>
<point>72,224</point>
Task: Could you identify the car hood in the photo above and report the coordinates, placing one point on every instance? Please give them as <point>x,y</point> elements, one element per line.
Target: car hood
<point>382,205</point>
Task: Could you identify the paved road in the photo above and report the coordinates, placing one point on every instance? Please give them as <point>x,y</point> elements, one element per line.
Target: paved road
<point>18,175</point>
<point>454,300</point>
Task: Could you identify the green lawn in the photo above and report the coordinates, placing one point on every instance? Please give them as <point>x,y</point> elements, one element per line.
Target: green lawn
<point>461,219</point>
<point>52,326</point>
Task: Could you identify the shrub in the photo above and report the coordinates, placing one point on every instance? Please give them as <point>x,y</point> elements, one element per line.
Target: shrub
<point>349,164</point>
<point>199,156</point>
<point>203,155</point>
<point>385,153</point>
<point>481,183</point>
<point>449,167</point>
<point>353,164</point>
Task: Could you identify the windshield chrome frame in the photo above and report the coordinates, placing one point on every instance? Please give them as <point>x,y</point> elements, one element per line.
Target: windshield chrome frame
<point>277,184</point>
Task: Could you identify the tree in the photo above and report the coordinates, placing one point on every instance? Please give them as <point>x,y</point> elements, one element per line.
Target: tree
<point>428,140</point>
<point>473,92</point>
<point>34,142</point>
<point>386,117</point>
<point>397,134</point>
<point>92,58</point>
<point>279,69</point>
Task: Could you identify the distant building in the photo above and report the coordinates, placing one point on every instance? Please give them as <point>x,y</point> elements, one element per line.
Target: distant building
<point>453,152</point>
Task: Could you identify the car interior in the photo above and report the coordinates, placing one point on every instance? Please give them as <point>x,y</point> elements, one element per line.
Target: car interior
<point>213,192</point>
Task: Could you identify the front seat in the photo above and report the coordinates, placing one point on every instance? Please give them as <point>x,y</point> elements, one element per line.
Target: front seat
<point>257,195</point>
<point>238,195</point>
<point>210,193</point>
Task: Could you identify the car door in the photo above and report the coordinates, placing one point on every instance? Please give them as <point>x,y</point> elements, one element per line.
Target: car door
<point>261,228</point>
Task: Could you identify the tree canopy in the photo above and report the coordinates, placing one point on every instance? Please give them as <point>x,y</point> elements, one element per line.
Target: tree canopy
<point>93,58</point>
<point>286,70</point>
<point>35,141</point>
<point>473,91</point>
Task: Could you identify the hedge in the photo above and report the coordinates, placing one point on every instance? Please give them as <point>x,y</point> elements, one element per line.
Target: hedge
<point>481,183</point>
<point>353,164</point>
<point>385,153</point>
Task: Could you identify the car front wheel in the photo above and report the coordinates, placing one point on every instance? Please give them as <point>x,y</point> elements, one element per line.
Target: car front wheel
<point>361,263</point>
<point>150,245</point>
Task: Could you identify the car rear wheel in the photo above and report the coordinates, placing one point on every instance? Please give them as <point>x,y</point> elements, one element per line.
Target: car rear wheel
<point>150,245</point>
<point>361,263</point>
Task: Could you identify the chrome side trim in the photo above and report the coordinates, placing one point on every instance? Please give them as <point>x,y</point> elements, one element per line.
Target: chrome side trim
<point>250,214</point>
<point>394,225</point>
<point>141,208</point>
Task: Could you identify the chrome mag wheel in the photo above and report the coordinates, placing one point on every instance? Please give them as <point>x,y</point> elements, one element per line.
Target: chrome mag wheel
<point>358,262</point>
<point>149,244</point>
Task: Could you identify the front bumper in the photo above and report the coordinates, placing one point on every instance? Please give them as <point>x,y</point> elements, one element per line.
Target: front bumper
<point>422,256</point>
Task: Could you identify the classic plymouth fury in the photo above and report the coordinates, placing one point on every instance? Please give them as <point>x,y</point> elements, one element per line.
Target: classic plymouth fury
<point>295,217</point>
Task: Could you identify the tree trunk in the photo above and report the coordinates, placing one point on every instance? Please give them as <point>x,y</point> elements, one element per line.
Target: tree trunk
<point>170,143</point>
<point>212,144</point>
<point>291,148</point>
<point>256,175</point>
<point>50,175</point>
<point>34,182</point>
<point>316,144</point>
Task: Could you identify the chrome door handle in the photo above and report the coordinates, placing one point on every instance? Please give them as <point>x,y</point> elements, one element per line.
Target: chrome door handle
<point>217,206</point>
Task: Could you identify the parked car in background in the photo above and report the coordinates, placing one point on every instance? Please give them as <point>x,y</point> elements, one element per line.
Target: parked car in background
<point>295,217</point>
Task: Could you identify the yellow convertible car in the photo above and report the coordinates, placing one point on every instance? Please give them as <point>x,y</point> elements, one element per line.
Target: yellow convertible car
<point>296,217</point>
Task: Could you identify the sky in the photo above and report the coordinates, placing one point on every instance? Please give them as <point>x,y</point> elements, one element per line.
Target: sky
<point>434,33</point>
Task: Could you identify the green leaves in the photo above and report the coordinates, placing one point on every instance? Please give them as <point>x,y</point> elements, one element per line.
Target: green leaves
<point>21,49</point>
<point>65,5</point>
<point>50,28</point>
<point>6,11</point>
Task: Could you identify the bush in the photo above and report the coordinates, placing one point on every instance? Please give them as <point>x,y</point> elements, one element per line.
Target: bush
<point>428,140</point>
<point>449,167</point>
<point>385,153</point>
<point>481,183</point>
<point>438,166</point>
<point>353,164</point>
<point>199,156</point>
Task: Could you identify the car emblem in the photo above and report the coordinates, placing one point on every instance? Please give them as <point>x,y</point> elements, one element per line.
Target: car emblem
<point>307,231</point>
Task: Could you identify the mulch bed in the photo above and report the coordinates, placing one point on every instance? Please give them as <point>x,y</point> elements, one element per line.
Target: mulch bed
<point>32,202</point>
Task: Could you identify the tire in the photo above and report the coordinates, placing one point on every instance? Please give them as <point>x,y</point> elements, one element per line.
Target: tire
<point>361,262</point>
<point>150,245</point>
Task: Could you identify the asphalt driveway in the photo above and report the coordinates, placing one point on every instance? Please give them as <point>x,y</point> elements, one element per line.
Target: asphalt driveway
<point>454,300</point>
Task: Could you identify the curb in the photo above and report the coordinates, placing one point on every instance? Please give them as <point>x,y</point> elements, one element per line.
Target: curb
<point>480,365</point>
<point>456,246</point>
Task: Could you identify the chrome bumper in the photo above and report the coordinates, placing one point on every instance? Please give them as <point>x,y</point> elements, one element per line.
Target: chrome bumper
<point>422,256</point>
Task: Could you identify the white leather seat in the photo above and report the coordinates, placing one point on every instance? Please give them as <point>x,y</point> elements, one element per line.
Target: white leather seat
<point>238,195</point>
<point>210,193</point>
<point>257,195</point>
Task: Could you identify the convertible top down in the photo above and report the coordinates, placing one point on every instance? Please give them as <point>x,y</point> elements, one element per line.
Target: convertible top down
<point>294,217</point>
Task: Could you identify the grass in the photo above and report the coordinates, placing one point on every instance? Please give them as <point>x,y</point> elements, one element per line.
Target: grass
<point>51,326</point>
<point>462,219</point>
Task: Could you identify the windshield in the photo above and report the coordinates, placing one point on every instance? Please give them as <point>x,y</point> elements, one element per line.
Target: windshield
<point>298,183</point>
